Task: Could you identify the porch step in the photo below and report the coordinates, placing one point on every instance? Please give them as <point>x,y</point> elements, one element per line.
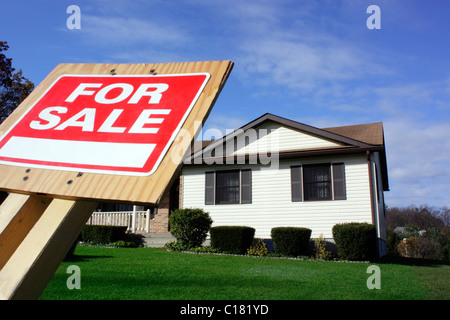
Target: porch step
<point>157,240</point>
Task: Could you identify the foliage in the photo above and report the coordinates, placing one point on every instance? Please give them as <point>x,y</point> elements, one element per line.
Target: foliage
<point>393,239</point>
<point>204,249</point>
<point>14,87</point>
<point>290,241</point>
<point>432,244</point>
<point>190,226</point>
<point>97,234</point>
<point>421,248</point>
<point>232,239</point>
<point>176,246</point>
<point>6,69</point>
<point>420,218</point>
<point>355,241</point>
<point>123,244</point>
<point>320,249</point>
<point>258,248</point>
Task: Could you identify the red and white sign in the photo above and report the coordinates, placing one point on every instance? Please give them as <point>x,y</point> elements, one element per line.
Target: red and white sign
<point>103,124</point>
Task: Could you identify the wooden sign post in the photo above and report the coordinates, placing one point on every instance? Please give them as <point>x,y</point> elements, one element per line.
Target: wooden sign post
<point>90,133</point>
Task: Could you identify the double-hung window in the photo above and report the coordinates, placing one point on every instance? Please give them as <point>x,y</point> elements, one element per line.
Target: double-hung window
<point>315,182</point>
<point>228,187</point>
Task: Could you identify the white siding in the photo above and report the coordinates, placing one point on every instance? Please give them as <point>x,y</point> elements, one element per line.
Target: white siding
<point>271,204</point>
<point>272,137</point>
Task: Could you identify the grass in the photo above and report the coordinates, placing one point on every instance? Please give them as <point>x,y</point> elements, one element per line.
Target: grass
<point>155,274</point>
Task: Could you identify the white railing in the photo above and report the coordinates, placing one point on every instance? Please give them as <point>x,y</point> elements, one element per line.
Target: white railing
<point>134,220</point>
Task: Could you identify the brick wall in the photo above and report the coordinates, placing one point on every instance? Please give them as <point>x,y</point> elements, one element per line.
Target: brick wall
<point>160,220</point>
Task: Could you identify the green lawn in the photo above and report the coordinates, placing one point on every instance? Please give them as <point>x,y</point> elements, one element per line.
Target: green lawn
<point>147,273</point>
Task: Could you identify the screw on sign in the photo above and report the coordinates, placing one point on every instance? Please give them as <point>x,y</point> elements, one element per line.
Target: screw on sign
<point>103,124</point>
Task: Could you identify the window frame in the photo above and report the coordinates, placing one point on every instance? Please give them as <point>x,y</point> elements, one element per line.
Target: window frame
<point>220,188</point>
<point>337,187</point>
<point>243,192</point>
<point>308,184</point>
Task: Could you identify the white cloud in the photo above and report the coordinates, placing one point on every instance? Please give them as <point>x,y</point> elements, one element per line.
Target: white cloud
<point>112,30</point>
<point>219,125</point>
<point>418,162</point>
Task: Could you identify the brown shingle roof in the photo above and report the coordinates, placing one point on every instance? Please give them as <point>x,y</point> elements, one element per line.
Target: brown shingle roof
<point>371,133</point>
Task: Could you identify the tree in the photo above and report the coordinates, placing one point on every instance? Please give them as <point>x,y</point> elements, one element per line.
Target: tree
<point>422,217</point>
<point>14,87</point>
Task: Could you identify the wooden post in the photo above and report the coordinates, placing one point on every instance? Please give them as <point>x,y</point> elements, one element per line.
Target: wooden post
<point>18,214</point>
<point>34,261</point>
<point>147,221</point>
<point>133,227</point>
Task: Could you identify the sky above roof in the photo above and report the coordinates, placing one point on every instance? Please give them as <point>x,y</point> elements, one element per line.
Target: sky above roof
<point>315,62</point>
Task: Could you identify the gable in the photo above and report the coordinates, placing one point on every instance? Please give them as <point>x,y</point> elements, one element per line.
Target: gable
<point>271,136</point>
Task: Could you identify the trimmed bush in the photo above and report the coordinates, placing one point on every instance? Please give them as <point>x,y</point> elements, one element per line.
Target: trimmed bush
<point>355,241</point>
<point>232,239</point>
<point>290,241</point>
<point>190,226</point>
<point>102,234</point>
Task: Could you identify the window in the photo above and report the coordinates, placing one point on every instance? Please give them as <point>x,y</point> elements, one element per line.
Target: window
<point>318,182</point>
<point>228,187</point>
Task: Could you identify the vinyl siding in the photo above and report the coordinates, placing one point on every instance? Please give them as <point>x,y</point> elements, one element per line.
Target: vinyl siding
<point>270,136</point>
<point>271,198</point>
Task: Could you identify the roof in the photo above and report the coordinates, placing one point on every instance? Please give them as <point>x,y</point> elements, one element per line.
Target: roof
<point>371,133</point>
<point>354,139</point>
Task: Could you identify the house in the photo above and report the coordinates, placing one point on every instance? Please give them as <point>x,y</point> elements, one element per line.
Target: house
<point>277,172</point>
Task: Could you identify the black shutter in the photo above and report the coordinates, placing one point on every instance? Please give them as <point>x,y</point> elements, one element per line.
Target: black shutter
<point>246,186</point>
<point>209,187</point>
<point>339,181</point>
<point>296,184</point>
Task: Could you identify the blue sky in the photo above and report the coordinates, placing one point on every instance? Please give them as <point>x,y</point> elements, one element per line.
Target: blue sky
<point>315,62</point>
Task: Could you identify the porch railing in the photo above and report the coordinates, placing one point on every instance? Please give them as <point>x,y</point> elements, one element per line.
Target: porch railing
<point>134,220</point>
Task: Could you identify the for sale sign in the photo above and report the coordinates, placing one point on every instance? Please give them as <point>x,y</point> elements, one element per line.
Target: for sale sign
<point>103,124</point>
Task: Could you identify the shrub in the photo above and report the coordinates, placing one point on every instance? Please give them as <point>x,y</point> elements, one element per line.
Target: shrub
<point>421,247</point>
<point>175,246</point>
<point>290,241</point>
<point>320,249</point>
<point>355,241</point>
<point>190,226</point>
<point>232,239</point>
<point>258,248</point>
<point>102,234</point>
